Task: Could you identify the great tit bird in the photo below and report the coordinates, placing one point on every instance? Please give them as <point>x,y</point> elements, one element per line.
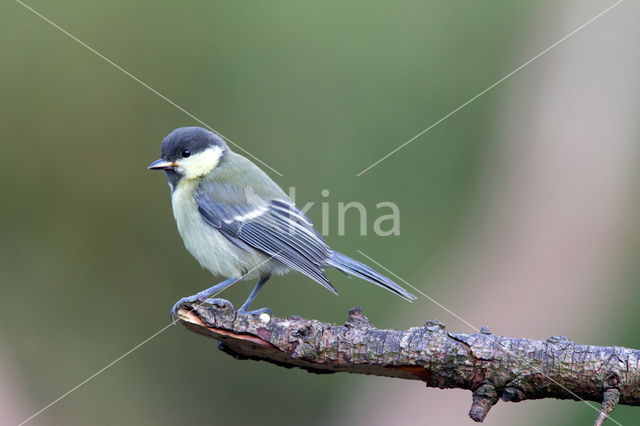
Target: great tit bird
<point>238,223</point>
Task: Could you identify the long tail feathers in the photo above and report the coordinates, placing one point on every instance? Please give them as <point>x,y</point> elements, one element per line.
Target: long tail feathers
<point>355,268</point>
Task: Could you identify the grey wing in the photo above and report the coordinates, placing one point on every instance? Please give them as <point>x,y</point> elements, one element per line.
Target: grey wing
<point>276,228</point>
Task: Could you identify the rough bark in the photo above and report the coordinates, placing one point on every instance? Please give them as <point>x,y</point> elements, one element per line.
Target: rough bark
<point>492,367</point>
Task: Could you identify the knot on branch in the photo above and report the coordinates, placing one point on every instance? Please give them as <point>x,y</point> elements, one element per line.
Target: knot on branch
<point>358,319</point>
<point>610,400</point>
<point>484,398</point>
<point>302,341</point>
<point>434,325</point>
<point>612,380</point>
<point>513,394</point>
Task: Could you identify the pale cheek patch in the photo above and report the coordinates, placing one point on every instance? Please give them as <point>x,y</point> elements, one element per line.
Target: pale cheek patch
<point>200,164</point>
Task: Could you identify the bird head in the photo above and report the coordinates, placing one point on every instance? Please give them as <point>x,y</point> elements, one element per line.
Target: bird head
<point>189,153</point>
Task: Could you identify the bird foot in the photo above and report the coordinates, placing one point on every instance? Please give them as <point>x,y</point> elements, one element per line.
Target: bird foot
<point>179,303</point>
<point>219,303</point>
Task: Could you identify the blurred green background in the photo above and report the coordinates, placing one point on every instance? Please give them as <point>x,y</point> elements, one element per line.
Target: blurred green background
<point>91,262</point>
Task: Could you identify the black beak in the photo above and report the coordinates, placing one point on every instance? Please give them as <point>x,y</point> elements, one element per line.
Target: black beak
<point>162,165</point>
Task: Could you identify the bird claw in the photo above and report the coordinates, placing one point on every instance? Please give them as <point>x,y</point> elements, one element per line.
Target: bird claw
<point>179,303</point>
<point>219,303</point>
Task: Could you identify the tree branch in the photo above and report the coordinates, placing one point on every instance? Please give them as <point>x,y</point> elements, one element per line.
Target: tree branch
<point>492,367</point>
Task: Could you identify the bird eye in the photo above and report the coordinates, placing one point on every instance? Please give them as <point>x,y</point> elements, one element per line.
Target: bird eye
<point>185,153</point>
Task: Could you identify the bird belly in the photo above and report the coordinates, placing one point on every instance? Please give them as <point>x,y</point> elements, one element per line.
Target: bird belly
<point>212,249</point>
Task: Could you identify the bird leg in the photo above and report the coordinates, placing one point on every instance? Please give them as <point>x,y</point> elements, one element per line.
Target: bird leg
<point>244,309</point>
<point>202,296</point>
